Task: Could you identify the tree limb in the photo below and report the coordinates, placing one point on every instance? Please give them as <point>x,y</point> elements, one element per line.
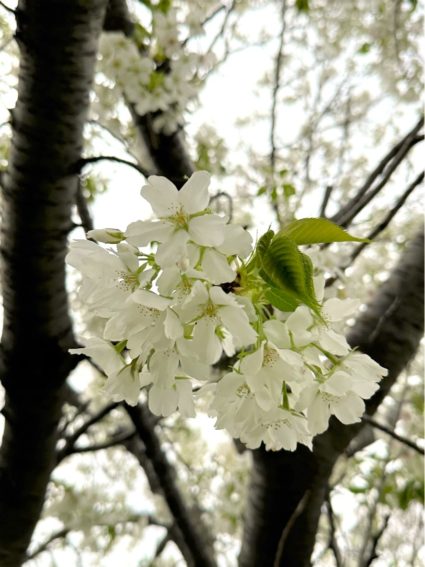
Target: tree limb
<point>83,162</point>
<point>394,435</point>
<point>57,43</point>
<point>384,169</point>
<point>191,526</point>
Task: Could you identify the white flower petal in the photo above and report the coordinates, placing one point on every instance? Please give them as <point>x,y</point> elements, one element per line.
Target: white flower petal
<point>334,342</point>
<point>349,409</point>
<point>150,299</point>
<point>207,230</point>
<point>236,241</point>
<point>205,341</point>
<point>335,309</point>
<point>185,398</point>
<point>173,251</point>
<point>277,333</point>
<point>216,267</point>
<point>236,322</point>
<point>194,194</point>
<point>318,413</point>
<point>173,327</point>
<point>252,363</point>
<point>141,233</point>
<point>162,196</point>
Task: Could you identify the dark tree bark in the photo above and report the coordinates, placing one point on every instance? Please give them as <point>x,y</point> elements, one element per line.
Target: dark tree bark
<point>58,42</point>
<point>287,490</point>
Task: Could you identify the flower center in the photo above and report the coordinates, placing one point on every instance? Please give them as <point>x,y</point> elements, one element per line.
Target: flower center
<point>149,312</point>
<point>330,398</point>
<point>270,357</point>
<point>276,425</point>
<point>244,392</point>
<point>127,281</point>
<point>180,219</point>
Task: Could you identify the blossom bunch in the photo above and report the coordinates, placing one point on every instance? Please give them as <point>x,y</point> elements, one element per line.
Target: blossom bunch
<point>156,74</point>
<point>174,297</point>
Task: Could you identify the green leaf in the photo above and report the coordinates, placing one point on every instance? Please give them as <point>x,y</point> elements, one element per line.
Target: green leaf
<point>284,267</point>
<point>283,264</point>
<point>364,48</point>
<point>264,243</point>
<point>288,190</point>
<point>309,282</point>
<point>315,231</point>
<point>302,5</point>
<point>281,300</point>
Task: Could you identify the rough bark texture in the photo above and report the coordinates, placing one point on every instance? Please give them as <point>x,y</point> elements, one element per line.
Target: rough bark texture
<point>389,331</point>
<point>58,42</point>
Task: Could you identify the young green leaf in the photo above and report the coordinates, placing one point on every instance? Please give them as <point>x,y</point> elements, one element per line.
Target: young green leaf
<point>281,300</point>
<point>283,263</point>
<point>317,231</point>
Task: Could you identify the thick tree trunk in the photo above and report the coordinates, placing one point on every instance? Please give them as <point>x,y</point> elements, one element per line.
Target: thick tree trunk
<point>288,489</point>
<point>58,42</point>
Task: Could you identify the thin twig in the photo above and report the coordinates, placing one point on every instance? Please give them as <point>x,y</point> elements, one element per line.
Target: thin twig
<point>385,169</point>
<point>81,164</point>
<point>223,27</point>
<point>113,441</point>
<point>333,544</point>
<point>393,434</point>
<point>7,8</point>
<point>375,540</point>
<point>380,227</point>
<point>325,202</point>
<point>229,200</point>
<point>83,209</point>
<point>389,216</point>
<point>70,441</point>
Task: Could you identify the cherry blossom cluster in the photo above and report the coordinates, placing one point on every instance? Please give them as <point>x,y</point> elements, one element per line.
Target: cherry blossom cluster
<point>159,75</point>
<point>171,298</point>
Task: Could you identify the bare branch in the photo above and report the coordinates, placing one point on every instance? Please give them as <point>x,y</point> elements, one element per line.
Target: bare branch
<point>229,198</point>
<point>333,544</point>
<point>188,519</point>
<point>117,438</point>
<point>223,27</point>
<point>82,163</point>
<point>83,209</point>
<point>385,169</point>
<point>380,227</point>
<point>70,441</point>
<point>325,202</point>
<point>275,93</point>
<point>375,541</point>
<point>7,8</point>
<point>393,434</point>
<point>389,216</point>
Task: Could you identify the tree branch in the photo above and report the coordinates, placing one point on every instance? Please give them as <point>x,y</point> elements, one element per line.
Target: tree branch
<point>393,434</point>
<point>70,441</point>
<point>188,520</point>
<point>7,8</point>
<point>83,162</point>
<point>333,544</point>
<point>385,169</point>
